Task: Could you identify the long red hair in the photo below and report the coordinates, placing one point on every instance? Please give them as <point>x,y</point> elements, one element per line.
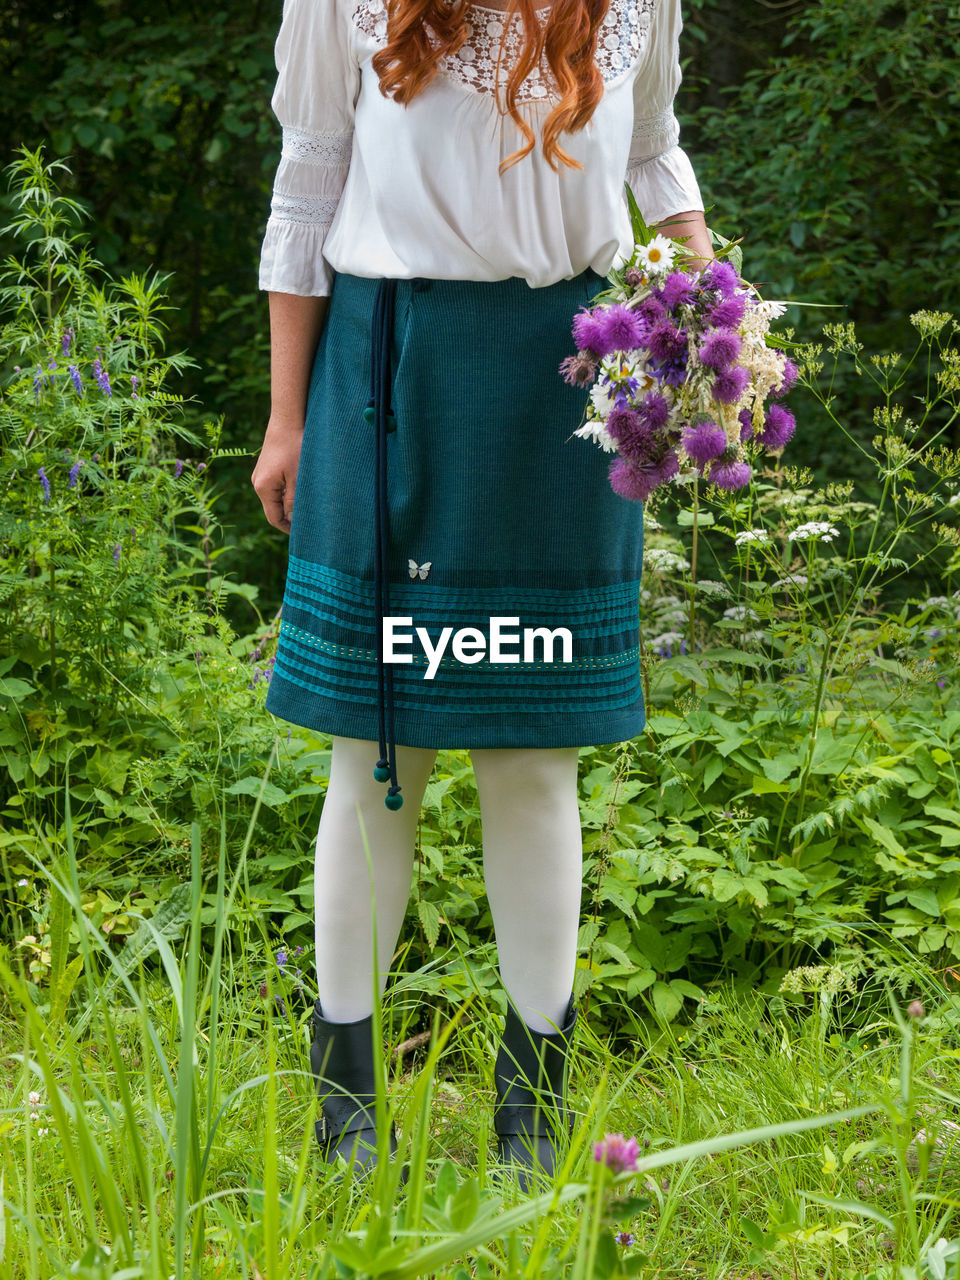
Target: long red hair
<point>422,32</point>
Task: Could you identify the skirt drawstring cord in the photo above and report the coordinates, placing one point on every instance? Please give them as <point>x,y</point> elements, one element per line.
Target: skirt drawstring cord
<point>379,412</point>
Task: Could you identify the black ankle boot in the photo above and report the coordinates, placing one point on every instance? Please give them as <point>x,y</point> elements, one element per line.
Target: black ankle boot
<point>341,1058</point>
<point>530,1075</point>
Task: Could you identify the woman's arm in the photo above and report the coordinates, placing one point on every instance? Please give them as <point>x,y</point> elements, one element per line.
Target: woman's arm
<point>296,323</point>
<point>691,227</point>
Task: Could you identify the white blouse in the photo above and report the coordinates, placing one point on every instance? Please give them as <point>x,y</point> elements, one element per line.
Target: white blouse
<point>372,188</point>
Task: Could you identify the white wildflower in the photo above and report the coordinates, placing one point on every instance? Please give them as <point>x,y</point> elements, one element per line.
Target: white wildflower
<point>666,640</point>
<point>771,310</point>
<point>686,476</point>
<point>34,1115</point>
<point>658,254</point>
<point>790,580</point>
<point>34,1098</point>
<point>953,499</point>
<point>740,612</point>
<point>751,535</point>
<point>662,561</point>
<point>711,588</point>
<point>815,529</point>
<point>596,431</point>
<point>42,1133</point>
<point>23,884</point>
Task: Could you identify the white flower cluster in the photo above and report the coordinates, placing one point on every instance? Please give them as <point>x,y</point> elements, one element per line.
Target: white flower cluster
<point>662,561</point>
<point>790,580</point>
<point>35,1100</point>
<point>815,529</point>
<point>739,612</point>
<point>751,535</point>
<point>718,590</point>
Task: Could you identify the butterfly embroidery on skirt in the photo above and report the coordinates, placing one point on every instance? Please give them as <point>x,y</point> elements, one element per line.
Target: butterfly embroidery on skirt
<point>419,570</point>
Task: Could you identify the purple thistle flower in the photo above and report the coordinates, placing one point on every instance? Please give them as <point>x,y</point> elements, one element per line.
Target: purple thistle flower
<point>76,379</point>
<point>178,467</point>
<point>631,481</point>
<point>778,428</point>
<point>651,311</point>
<point>677,289</point>
<point>730,384</point>
<point>67,339</point>
<point>728,312</point>
<point>654,410</point>
<point>116,553</point>
<point>720,348</point>
<point>721,275</point>
<point>579,370</point>
<point>74,472</point>
<point>617,1152</point>
<point>618,329</point>
<point>730,475</point>
<point>634,437</point>
<point>666,342</point>
<point>790,373</point>
<point>45,483</point>
<point>745,418</point>
<point>704,442</point>
<point>587,334</point>
<point>669,466</point>
<point>102,377</point>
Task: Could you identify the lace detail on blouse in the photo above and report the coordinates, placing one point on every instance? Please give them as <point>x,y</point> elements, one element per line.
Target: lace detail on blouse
<point>326,149</point>
<point>620,41</point>
<point>310,209</point>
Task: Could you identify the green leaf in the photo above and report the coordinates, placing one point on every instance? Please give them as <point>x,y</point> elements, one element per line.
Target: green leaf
<point>14,689</point>
<point>666,1001</point>
<point>431,920</point>
<point>463,1207</point>
<point>272,795</point>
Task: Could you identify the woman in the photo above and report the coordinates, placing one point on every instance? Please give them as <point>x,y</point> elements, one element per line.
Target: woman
<point>461,574</point>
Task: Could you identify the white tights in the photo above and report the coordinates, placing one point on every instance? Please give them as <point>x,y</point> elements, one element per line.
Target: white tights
<point>532,866</point>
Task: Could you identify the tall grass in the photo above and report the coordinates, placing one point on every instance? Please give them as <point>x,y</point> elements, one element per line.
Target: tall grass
<point>170,1133</point>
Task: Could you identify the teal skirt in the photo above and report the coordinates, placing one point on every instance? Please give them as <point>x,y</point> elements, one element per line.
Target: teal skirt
<point>504,534</point>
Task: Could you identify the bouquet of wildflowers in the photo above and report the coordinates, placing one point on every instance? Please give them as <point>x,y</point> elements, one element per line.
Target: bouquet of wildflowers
<point>685,377</point>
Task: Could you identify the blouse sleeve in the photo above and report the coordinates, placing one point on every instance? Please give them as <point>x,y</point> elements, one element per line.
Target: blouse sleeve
<point>659,172</point>
<point>314,100</point>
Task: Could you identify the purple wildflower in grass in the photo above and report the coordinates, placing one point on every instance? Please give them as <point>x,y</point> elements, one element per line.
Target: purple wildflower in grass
<point>67,339</point>
<point>102,377</point>
<point>704,442</point>
<point>730,384</point>
<point>37,384</point>
<point>116,553</point>
<point>257,673</point>
<point>201,466</point>
<point>134,383</point>
<point>619,328</point>
<point>281,960</point>
<point>52,364</point>
<point>719,349</point>
<point>941,684</point>
<point>677,290</point>
<point>790,374</point>
<point>177,468</point>
<point>289,731</point>
<point>730,475</point>
<point>45,483</point>
<point>666,342</point>
<point>778,428</point>
<point>298,951</point>
<point>579,370</point>
<point>722,276</point>
<point>76,379</point>
<point>745,418</point>
<point>74,473</point>
<point>727,312</point>
<point>617,1152</point>
<point>625,1239</point>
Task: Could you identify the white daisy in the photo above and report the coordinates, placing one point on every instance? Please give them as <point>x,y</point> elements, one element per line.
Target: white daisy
<point>658,254</point>
<point>596,431</point>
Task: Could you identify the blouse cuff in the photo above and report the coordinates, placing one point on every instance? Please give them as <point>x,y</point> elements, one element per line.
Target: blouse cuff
<point>292,261</point>
<point>664,185</point>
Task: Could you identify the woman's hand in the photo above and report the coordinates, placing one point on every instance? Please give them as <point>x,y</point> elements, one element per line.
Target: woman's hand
<point>275,475</point>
